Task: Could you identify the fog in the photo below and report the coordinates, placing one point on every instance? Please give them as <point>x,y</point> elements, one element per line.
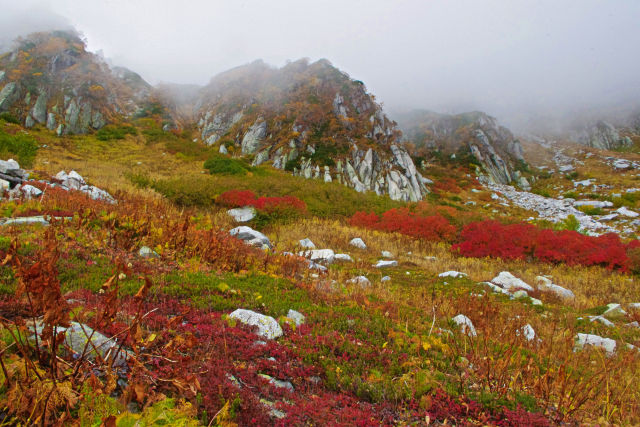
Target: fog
<point>519,60</point>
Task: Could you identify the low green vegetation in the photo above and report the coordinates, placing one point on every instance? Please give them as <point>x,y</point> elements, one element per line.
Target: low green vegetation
<point>19,146</point>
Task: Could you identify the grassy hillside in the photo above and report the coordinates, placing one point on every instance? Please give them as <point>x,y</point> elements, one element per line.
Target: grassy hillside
<point>383,353</point>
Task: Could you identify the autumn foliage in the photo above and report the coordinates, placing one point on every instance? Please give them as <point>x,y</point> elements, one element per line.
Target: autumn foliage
<point>526,241</point>
<point>268,205</point>
<point>432,228</point>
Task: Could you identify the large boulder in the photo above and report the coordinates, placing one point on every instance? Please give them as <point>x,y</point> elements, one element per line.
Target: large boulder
<point>267,326</point>
<point>510,282</point>
<point>607,344</point>
<point>244,214</point>
<point>251,236</point>
<point>319,255</point>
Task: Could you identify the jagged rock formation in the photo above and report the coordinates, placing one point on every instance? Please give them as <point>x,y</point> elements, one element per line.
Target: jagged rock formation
<point>494,147</point>
<point>603,135</point>
<point>50,79</point>
<point>312,120</point>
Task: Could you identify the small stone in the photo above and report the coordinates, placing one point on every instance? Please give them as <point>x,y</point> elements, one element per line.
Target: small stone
<point>614,309</point>
<point>297,317</point>
<point>385,279</point>
<point>385,264</point>
<point>360,280</point>
<point>358,243</point>
<point>528,332</point>
<point>147,252</point>
<point>607,344</point>
<point>343,258</point>
<point>307,243</point>
<point>319,255</point>
<point>387,254</point>
<point>508,281</point>
<point>452,273</point>
<point>466,326</point>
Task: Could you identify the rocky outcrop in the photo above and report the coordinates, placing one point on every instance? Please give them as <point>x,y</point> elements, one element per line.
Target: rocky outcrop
<point>493,148</point>
<point>57,83</point>
<point>603,135</point>
<point>312,120</point>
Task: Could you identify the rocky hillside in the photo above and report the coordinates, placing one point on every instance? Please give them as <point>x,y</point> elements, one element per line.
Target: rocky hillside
<point>310,119</point>
<point>603,135</point>
<point>494,148</point>
<point>51,79</point>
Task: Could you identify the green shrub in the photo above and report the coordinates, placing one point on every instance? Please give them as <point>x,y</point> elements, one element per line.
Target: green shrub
<point>111,132</point>
<point>20,146</point>
<point>591,210</point>
<point>188,191</point>
<point>9,118</point>
<point>220,165</point>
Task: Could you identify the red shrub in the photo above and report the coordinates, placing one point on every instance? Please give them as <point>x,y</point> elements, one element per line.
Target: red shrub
<point>236,198</point>
<point>525,241</point>
<point>446,185</point>
<point>434,227</point>
<point>284,204</point>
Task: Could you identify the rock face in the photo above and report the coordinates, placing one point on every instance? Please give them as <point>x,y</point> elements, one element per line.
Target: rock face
<point>603,135</point>
<point>267,326</point>
<point>312,120</point>
<point>493,147</point>
<point>64,87</point>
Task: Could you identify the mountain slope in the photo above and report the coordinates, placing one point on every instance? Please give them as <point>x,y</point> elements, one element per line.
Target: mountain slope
<point>494,147</point>
<point>312,120</point>
<point>50,78</point>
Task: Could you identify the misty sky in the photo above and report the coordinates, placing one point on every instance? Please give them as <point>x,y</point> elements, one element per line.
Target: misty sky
<point>507,57</point>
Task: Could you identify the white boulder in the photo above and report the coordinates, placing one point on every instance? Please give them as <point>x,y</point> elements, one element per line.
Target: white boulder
<point>267,326</point>
<point>251,236</point>
<point>510,282</point>
<point>343,258</point>
<point>627,212</point>
<point>452,273</point>
<point>607,344</point>
<point>385,264</point>
<point>297,317</point>
<point>360,280</point>
<point>466,326</point>
<point>244,214</point>
<point>358,243</point>
<point>319,255</point>
<point>306,243</point>
<point>546,285</point>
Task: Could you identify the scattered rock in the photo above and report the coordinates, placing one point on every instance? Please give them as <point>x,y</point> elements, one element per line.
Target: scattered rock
<point>385,264</point>
<point>627,212</point>
<point>251,236</point>
<point>297,317</point>
<point>147,252</point>
<point>358,243</point>
<point>343,258</point>
<point>27,220</point>
<point>277,383</point>
<point>267,326</point>
<point>508,281</point>
<point>602,320</point>
<point>29,191</point>
<point>386,254</point>
<point>244,214</point>
<point>385,279</point>
<point>319,255</point>
<point>607,344</point>
<point>466,326</point>
<point>520,294</point>
<point>614,309</point>
<point>495,288</point>
<point>527,332</point>
<point>76,337</point>
<point>545,284</point>
<point>360,280</point>
<point>307,243</point>
<point>452,273</point>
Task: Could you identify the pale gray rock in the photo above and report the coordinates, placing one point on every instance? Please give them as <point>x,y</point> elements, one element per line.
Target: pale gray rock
<point>51,121</point>
<point>297,317</point>
<point>8,95</point>
<point>29,191</point>
<point>360,280</point>
<point>453,274</point>
<point>386,254</point>
<point>147,252</point>
<point>527,332</point>
<point>583,340</point>
<point>244,214</point>
<point>254,137</point>
<point>319,255</point>
<point>39,110</point>
<point>614,309</point>
<point>28,220</point>
<point>251,236</point>
<point>223,149</point>
<point>343,258</point>
<point>627,212</point>
<point>510,282</point>
<point>386,264</point>
<point>465,324</point>
<point>267,326</point>
<point>306,243</point>
<point>546,285</point>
